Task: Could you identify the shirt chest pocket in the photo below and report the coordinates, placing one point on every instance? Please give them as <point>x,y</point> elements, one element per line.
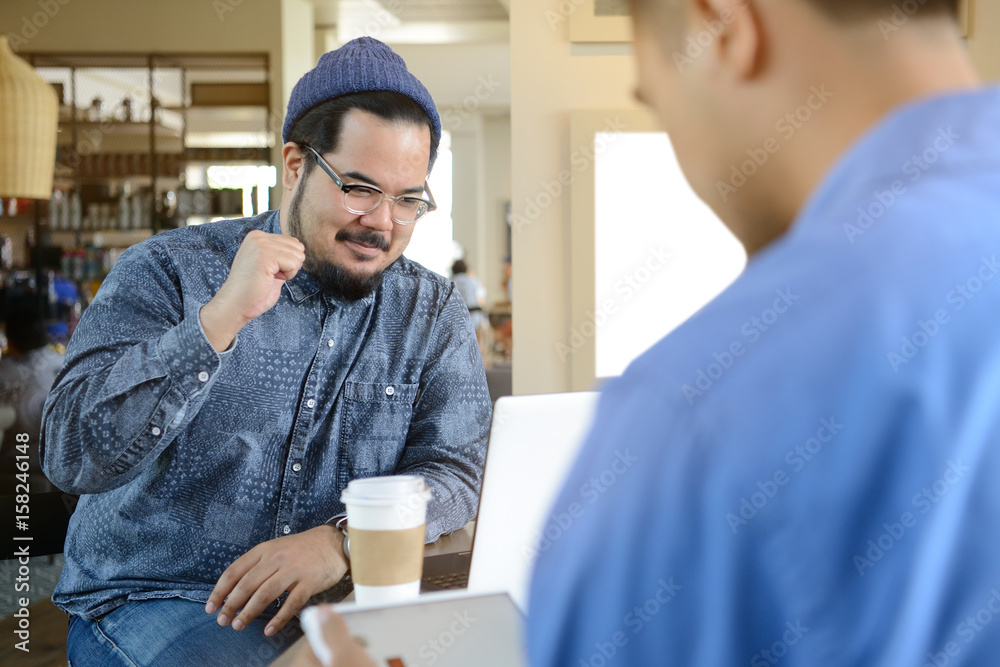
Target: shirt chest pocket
<point>376,421</point>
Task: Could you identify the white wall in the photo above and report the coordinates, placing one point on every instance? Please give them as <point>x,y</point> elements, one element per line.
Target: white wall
<point>463,77</point>
<point>298,30</point>
<point>489,266</point>
<point>984,24</point>
<point>469,184</point>
<point>482,187</point>
<point>549,81</point>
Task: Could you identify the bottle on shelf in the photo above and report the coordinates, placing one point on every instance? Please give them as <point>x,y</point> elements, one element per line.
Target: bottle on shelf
<point>64,212</point>
<point>54,203</point>
<point>76,211</point>
<point>123,211</point>
<point>126,110</point>
<point>6,253</point>
<point>107,219</point>
<point>138,222</point>
<point>79,259</point>
<point>96,111</point>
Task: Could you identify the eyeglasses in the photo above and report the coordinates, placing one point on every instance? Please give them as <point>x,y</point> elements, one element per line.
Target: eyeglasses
<point>363,199</point>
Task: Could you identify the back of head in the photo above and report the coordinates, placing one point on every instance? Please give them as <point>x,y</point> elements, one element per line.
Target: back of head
<point>843,11</point>
<point>729,77</point>
<point>853,10</point>
<point>459,267</point>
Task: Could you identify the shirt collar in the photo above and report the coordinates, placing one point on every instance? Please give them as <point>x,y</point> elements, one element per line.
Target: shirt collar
<point>303,286</point>
<point>950,128</point>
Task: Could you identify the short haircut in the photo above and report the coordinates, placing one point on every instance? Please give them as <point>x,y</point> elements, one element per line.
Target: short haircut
<point>846,11</point>
<point>320,127</point>
<point>459,267</point>
<point>852,10</point>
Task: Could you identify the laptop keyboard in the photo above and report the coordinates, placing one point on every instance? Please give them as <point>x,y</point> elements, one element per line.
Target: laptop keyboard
<point>446,581</point>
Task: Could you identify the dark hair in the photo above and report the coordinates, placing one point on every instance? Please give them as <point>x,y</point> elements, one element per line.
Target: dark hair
<point>320,126</point>
<point>851,10</point>
<point>459,267</point>
<point>26,329</point>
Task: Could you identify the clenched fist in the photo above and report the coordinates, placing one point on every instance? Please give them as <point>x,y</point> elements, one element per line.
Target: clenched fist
<point>261,266</point>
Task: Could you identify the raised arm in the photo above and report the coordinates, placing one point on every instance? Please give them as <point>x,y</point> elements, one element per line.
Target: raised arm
<point>144,358</point>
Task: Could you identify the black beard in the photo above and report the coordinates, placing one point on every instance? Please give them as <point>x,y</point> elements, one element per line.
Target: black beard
<point>334,279</point>
<point>340,283</point>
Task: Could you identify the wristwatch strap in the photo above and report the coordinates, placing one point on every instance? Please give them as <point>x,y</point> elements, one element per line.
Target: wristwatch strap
<point>340,523</point>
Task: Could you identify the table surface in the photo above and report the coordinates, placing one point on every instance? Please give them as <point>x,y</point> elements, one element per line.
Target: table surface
<point>453,543</point>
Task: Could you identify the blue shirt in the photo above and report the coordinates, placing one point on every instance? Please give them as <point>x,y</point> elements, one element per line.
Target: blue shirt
<point>188,458</point>
<point>806,472</point>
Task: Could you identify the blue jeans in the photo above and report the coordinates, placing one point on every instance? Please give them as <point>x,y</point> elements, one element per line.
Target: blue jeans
<point>165,633</point>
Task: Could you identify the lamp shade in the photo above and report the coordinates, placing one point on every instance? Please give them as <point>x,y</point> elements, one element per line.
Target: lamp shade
<point>29,119</point>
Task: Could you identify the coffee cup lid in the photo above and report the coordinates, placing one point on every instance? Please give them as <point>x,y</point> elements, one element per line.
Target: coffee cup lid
<point>380,490</point>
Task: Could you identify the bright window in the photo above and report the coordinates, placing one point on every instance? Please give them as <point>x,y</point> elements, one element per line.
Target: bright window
<point>660,253</point>
<point>431,243</point>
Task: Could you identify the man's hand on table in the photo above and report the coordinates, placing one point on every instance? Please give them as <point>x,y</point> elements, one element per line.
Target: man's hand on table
<point>303,565</point>
<point>346,652</point>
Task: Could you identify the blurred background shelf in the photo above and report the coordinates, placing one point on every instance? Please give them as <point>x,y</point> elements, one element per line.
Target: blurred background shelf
<point>145,143</point>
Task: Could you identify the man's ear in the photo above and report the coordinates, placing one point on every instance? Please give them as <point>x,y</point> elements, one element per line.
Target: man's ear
<point>293,161</point>
<point>735,32</point>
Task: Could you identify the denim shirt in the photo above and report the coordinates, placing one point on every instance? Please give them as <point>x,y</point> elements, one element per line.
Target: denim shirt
<point>186,458</point>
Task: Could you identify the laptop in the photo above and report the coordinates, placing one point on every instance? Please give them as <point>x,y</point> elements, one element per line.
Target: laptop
<point>448,629</point>
<point>533,442</point>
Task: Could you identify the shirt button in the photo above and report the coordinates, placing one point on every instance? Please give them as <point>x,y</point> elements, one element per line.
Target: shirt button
<point>287,529</point>
<point>310,403</point>
<point>329,343</point>
<point>203,376</point>
<point>156,430</point>
<point>297,467</point>
<point>389,391</point>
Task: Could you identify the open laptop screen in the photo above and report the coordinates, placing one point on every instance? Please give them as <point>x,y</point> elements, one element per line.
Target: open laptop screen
<point>533,443</point>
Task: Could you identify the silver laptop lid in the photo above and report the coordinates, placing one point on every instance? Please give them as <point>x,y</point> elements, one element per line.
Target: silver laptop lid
<point>441,629</point>
<point>533,442</point>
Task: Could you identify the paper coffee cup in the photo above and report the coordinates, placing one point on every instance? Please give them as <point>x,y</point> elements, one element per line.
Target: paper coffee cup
<point>386,521</point>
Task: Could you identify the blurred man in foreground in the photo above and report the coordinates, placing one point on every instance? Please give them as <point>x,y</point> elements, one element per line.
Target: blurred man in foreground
<point>823,493</point>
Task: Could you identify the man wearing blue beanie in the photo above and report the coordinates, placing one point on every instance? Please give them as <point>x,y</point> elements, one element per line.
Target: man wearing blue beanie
<point>230,379</point>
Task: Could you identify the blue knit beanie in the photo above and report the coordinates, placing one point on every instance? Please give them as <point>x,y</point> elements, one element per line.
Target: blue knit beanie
<point>362,65</point>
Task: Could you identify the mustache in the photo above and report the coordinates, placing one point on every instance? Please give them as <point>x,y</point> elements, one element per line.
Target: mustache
<point>365,237</point>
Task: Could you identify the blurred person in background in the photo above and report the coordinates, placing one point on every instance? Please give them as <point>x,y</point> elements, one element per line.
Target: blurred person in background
<point>27,371</point>
<point>474,294</point>
<point>500,318</point>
